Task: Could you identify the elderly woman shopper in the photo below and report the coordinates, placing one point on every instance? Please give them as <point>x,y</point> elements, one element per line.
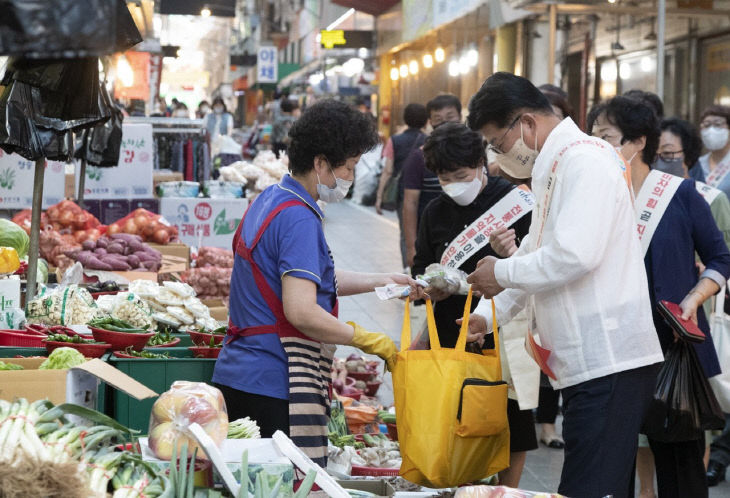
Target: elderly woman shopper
<point>276,360</point>
<point>714,167</point>
<point>682,227</point>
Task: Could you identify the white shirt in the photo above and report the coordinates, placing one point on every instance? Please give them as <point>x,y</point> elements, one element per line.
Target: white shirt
<point>588,280</point>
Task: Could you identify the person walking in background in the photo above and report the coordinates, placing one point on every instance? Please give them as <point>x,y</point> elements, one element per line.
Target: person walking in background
<point>685,227</point>
<point>220,121</point>
<point>396,150</point>
<point>714,167</point>
<point>580,268</point>
<point>202,110</point>
<point>282,125</point>
<point>420,185</point>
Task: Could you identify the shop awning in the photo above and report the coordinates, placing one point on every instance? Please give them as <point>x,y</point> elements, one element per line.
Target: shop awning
<point>372,7</point>
<point>300,73</point>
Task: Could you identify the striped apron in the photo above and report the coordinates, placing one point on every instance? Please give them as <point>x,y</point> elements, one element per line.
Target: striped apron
<point>309,362</point>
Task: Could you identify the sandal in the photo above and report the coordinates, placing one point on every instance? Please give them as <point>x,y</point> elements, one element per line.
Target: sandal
<point>554,442</point>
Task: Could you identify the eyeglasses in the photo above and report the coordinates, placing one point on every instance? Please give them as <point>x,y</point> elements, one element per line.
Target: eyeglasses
<point>719,123</point>
<point>676,155</point>
<point>497,149</point>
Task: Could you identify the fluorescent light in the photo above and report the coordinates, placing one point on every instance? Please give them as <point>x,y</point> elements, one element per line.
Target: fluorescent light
<point>464,65</point>
<point>608,72</point>
<point>472,57</point>
<point>454,68</point>
<point>403,70</point>
<point>413,67</point>
<point>427,61</point>
<point>205,11</point>
<point>439,54</point>
<point>647,64</point>
<point>394,74</point>
<point>624,70</point>
<point>340,19</point>
<point>353,66</point>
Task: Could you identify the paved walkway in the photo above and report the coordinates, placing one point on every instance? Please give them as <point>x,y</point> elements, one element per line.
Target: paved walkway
<point>361,240</point>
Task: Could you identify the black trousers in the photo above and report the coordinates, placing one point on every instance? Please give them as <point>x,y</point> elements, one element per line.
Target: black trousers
<point>680,471</point>
<point>601,422</point>
<point>271,414</point>
<point>548,402</point>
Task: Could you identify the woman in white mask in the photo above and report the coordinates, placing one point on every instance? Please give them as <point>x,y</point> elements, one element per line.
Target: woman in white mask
<point>457,156</point>
<point>275,362</point>
<point>714,167</point>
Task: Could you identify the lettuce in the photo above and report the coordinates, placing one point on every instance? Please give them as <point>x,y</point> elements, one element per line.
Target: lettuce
<point>62,358</point>
<point>11,235</point>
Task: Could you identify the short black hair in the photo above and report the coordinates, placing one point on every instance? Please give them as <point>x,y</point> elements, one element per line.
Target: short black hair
<point>501,97</point>
<point>652,99</point>
<point>635,118</point>
<point>288,105</point>
<point>558,98</point>
<point>332,129</point>
<point>452,146</point>
<point>593,114</point>
<point>442,101</point>
<point>415,116</point>
<point>717,110</point>
<point>688,135</point>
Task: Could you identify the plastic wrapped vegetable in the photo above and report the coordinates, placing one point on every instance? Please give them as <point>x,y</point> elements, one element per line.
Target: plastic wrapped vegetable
<point>184,404</point>
<point>214,256</point>
<point>12,235</point>
<point>70,305</point>
<point>132,309</point>
<point>9,261</point>
<point>62,358</point>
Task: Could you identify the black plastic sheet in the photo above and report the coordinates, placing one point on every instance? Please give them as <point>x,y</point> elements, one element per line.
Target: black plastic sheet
<point>100,146</point>
<point>684,405</point>
<point>65,28</point>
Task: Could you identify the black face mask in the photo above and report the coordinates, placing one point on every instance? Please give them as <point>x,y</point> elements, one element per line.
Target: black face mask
<point>674,167</point>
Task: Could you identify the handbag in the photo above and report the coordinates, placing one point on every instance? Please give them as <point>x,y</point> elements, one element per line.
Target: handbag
<point>391,191</point>
<point>451,408</point>
<point>720,330</point>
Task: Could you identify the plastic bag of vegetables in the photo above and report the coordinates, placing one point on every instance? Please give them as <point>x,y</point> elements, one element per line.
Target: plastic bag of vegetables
<point>70,305</point>
<point>12,235</point>
<point>133,310</point>
<point>150,226</point>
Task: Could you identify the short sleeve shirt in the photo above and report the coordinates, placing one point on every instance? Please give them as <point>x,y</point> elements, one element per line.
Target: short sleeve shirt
<point>294,245</point>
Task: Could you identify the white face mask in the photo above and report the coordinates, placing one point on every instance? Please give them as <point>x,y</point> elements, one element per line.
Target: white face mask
<point>520,159</point>
<point>619,149</point>
<point>464,193</point>
<point>329,194</point>
<point>218,109</point>
<point>714,137</point>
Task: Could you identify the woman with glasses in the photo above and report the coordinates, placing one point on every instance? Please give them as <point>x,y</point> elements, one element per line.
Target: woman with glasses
<point>714,167</point>
<point>675,223</point>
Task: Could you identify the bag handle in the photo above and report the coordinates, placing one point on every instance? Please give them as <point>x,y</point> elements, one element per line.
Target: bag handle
<point>461,341</point>
<point>405,336</point>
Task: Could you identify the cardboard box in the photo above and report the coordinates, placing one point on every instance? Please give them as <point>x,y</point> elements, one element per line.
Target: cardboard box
<point>218,309</point>
<point>120,277</point>
<point>165,175</point>
<point>151,205</point>
<point>78,385</point>
<point>113,210</point>
<point>9,301</point>
<point>178,253</point>
<point>377,487</point>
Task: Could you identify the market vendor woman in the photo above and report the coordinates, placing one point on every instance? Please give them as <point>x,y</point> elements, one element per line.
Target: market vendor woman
<point>276,359</point>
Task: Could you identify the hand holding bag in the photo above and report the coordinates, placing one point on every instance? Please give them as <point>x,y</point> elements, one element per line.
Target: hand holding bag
<point>451,409</point>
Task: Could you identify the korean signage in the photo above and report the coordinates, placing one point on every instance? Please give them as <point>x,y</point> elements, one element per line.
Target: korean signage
<point>132,178</point>
<point>267,68</point>
<point>204,222</point>
<point>16,182</point>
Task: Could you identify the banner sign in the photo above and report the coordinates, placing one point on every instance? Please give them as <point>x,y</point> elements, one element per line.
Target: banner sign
<point>16,182</point>
<point>204,222</point>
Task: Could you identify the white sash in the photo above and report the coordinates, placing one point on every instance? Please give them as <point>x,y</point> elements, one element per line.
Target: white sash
<point>707,192</point>
<point>505,213</point>
<point>651,203</point>
<point>718,174</point>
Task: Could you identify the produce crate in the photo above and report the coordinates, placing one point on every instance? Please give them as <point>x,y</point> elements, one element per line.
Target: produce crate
<point>158,375</point>
<point>185,340</point>
<point>12,351</point>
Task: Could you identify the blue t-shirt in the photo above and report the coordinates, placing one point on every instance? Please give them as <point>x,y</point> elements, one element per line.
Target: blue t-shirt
<point>294,245</point>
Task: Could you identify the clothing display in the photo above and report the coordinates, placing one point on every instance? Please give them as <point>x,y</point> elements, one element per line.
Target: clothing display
<point>184,152</point>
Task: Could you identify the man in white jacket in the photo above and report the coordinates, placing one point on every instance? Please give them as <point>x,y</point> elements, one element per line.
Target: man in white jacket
<point>580,275</point>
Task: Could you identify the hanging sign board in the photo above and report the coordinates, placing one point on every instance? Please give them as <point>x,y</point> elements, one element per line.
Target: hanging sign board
<point>339,38</point>
<point>132,178</point>
<point>16,182</point>
<point>204,222</point>
<point>267,69</point>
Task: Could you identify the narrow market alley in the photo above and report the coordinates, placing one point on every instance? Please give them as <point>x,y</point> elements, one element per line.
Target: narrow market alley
<point>362,240</point>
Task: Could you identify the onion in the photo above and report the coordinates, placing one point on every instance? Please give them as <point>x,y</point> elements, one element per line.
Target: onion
<point>93,234</point>
<point>80,221</point>
<point>80,236</point>
<point>113,228</point>
<point>66,218</point>
<point>141,220</point>
<point>161,236</point>
<point>130,226</point>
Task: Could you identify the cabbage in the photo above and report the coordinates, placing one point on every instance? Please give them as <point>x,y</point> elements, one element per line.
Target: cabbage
<point>11,235</point>
<point>62,358</point>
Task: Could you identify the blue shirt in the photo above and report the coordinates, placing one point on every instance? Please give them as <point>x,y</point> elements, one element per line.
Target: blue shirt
<point>686,226</point>
<point>294,245</point>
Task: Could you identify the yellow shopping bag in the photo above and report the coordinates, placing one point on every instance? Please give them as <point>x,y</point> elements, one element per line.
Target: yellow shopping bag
<point>451,409</point>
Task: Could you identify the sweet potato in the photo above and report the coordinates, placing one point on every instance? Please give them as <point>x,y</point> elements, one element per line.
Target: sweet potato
<point>90,261</point>
<point>133,261</point>
<point>88,245</point>
<point>115,248</point>
<point>127,237</point>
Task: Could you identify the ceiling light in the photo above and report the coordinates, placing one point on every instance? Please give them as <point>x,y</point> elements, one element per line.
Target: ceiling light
<point>427,61</point>
<point>439,54</point>
<point>472,57</point>
<point>394,74</point>
<point>454,68</point>
<point>624,70</point>
<point>464,65</point>
<point>403,70</point>
<point>647,64</point>
<point>617,46</point>
<point>611,1</point>
<point>413,67</point>
<point>608,72</point>
<point>205,11</point>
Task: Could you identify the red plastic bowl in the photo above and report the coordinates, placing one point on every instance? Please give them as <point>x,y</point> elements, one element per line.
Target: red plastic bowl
<point>88,350</point>
<point>203,339</point>
<point>121,340</point>
<point>373,387</point>
<point>170,344</point>
<point>21,339</point>
<point>205,352</point>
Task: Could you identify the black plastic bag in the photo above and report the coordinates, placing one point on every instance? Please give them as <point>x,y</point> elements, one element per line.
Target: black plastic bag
<point>683,406</point>
<point>101,145</point>
<point>66,28</point>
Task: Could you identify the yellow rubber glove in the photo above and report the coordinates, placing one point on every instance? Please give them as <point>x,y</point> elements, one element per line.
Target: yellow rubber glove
<point>375,343</point>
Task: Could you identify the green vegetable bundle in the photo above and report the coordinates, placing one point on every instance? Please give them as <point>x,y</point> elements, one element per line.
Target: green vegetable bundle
<point>117,325</point>
<point>243,428</point>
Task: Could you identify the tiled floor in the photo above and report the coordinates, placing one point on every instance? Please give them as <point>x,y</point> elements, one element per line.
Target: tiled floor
<point>361,240</point>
